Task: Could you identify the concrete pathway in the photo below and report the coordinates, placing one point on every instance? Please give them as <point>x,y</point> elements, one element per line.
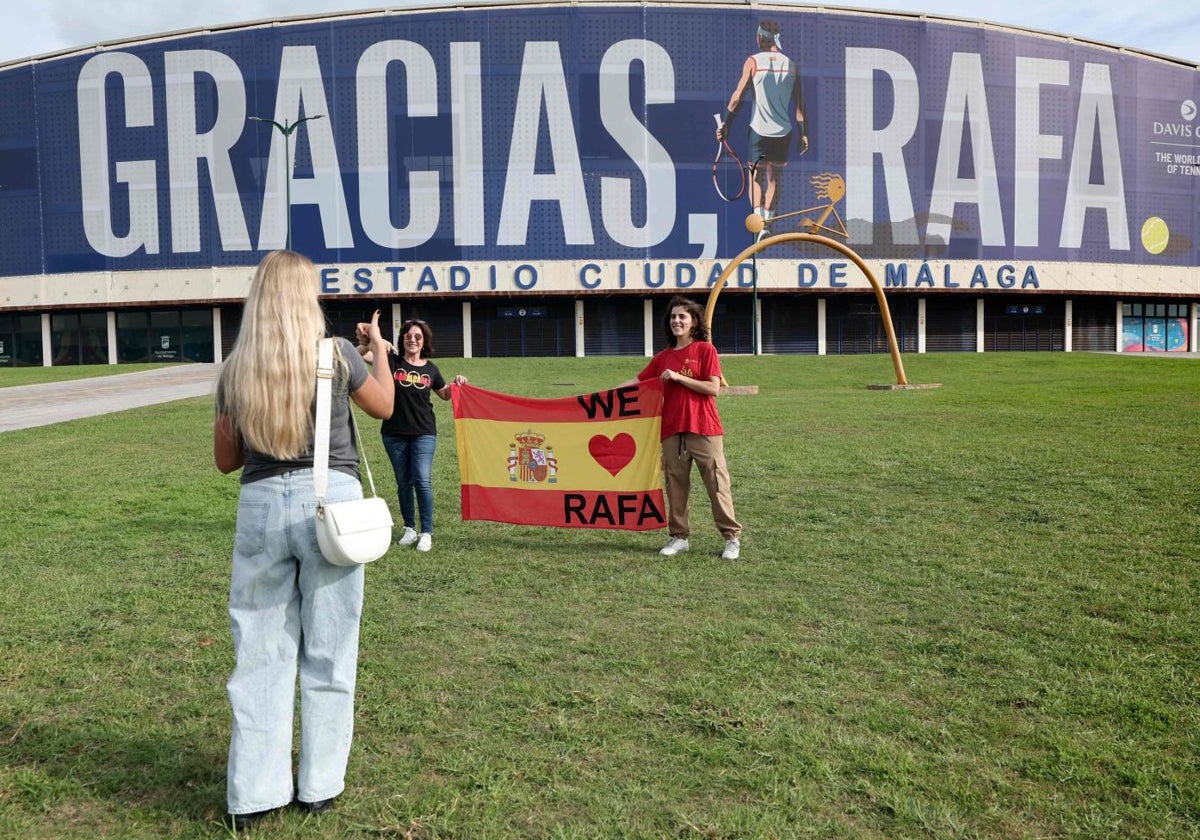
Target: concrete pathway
<point>26,406</point>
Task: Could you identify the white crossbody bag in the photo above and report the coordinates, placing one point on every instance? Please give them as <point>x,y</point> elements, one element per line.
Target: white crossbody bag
<point>349,533</point>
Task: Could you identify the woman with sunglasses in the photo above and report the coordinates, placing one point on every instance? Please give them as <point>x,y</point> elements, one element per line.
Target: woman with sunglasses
<point>410,434</point>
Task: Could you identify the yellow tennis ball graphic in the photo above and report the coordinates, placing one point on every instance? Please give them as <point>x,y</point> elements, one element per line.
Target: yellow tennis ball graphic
<point>1155,235</point>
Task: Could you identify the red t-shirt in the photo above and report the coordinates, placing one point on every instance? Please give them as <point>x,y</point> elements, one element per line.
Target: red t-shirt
<point>683,409</point>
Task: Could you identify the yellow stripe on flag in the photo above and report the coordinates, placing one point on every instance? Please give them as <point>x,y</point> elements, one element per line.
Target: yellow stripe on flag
<point>619,455</point>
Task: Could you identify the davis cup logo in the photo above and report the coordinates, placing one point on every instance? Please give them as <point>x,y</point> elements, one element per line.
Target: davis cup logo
<point>1188,110</point>
<point>530,460</point>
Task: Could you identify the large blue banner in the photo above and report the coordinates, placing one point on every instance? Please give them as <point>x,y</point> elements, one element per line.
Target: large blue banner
<point>586,134</point>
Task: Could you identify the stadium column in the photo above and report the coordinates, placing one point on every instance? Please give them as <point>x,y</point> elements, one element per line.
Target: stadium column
<point>920,325</point>
<point>397,320</point>
<point>758,326</point>
<point>218,350</point>
<point>979,325</point>
<point>579,328</point>
<point>1068,320</point>
<point>111,329</point>
<point>648,326</point>
<point>822,348</point>
<point>47,346</point>
<point>1195,322</point>
<point>1120,325</point>
<point>466,321</point>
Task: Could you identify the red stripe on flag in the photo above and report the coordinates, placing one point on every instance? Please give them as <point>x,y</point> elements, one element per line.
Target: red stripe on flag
<point>643,399</point>
<point>632,511</point>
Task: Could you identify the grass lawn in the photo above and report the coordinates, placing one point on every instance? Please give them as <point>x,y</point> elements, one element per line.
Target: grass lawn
<point>10,377</point>
<point>960,613</point>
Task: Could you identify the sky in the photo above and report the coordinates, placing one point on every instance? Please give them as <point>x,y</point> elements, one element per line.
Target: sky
<point>1166,27</point>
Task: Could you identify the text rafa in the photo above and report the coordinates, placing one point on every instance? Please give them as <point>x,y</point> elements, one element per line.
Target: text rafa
<point>613,510</point>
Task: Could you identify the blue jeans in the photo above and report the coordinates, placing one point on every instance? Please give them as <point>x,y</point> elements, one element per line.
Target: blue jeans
<point>412,460</point>
<point>289,608</point>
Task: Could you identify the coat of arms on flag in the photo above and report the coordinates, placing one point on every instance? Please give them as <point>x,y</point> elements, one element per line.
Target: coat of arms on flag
<point>589,461</point>
<point>530,459</point>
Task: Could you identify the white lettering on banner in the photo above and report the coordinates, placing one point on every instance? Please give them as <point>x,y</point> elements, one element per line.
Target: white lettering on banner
<point>966,110</point>
<point>618,117</point>
<point>864,141</point>
<point>1030,146</point>
<point>466,110</point>
<point>189,147</point>
<point>543,82</point>
<point>374,175</point>
<point>1096,118</point>
<point>1182,130</point>
<point>121,205</point>
<point>302,94</point>
<point>138,176</point>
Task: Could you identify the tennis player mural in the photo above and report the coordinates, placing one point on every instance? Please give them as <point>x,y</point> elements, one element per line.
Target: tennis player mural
<point>778,97</point>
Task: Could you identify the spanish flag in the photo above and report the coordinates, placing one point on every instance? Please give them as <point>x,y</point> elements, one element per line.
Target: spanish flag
<point>591,461</point>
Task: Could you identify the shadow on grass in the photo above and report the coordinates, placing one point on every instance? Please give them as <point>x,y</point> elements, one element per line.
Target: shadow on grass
<point>61,761</point>
<point>584,544</point>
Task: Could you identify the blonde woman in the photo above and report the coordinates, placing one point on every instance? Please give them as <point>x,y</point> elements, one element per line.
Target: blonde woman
<point>290,610</point>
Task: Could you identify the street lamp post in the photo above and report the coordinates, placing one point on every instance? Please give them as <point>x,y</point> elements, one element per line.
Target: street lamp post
<point>286,130</point>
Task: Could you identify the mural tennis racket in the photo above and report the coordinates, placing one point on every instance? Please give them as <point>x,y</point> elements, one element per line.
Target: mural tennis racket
<point>728,172</point>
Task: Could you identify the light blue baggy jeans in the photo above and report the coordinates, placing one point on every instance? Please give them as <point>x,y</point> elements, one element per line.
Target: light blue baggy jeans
<point>290,609</point>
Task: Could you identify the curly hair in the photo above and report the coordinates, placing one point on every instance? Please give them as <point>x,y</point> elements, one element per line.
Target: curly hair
<point>699,328</point>
<point>426,333</point>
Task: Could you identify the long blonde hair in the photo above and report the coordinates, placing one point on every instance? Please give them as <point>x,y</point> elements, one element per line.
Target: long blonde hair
<point>269,379</point>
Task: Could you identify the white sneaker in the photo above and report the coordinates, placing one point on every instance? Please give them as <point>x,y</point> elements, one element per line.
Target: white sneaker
<point>424,542</point>
<point>674,546</point>
<point>408,537</point>
<point>733,550</point>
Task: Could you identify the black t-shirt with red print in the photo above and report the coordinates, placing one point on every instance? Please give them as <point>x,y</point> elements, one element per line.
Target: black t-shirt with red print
<point>413,411</point>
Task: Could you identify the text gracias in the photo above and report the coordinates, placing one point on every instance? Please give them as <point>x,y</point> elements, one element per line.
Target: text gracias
<point>543,99</point>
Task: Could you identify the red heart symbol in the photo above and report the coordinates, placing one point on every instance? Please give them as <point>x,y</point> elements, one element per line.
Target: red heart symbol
<point>612,453</point>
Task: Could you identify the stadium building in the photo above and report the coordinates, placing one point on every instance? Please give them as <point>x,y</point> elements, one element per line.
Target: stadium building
<point>538,179</point>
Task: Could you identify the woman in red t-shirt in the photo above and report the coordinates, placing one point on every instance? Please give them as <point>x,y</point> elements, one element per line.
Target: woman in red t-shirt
<point>691,428</point>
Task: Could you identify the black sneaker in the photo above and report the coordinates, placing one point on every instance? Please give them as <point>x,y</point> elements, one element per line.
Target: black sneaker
<point>241,822</point>
<point>318,807</point>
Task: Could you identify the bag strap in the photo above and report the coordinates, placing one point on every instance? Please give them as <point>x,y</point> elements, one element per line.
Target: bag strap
<point>321,428</point>
<point>362,450</point>
<point>321,425</point>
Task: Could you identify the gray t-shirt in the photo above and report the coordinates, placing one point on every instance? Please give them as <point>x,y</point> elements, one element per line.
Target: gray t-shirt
<point>343,456</point>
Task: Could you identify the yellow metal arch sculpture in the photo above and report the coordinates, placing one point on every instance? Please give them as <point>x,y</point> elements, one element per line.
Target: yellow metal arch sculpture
<point>780,238</point>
